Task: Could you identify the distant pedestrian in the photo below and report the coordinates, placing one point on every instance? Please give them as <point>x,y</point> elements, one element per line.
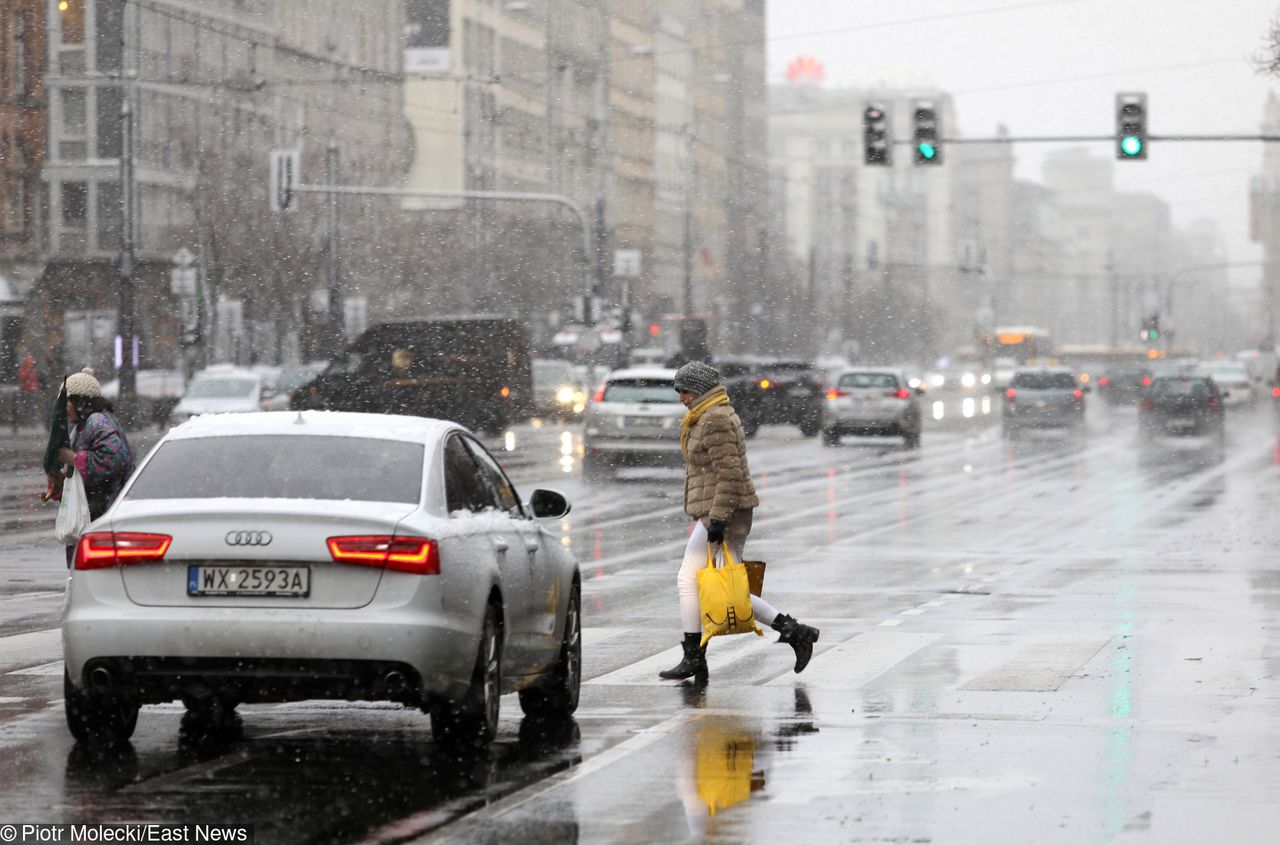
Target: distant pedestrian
<point>720,497</point>
<point>99,451</point>
<point>28,390</point>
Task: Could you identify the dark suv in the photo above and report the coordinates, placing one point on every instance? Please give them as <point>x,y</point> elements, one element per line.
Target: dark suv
<point>1181,405</point>
<point>774,392</point>
<point>1043,397</point>
<point>473,370</point>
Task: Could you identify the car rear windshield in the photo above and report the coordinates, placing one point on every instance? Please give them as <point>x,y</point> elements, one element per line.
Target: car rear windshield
<point>283,467</point>
<point>1195,387</point>
<point>645,390</point>
<point>881,380</point>
<point>1045,381</point>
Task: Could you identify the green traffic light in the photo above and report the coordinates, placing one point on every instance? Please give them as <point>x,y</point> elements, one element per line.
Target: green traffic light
<point>927,150</point>
<point>1131,145</point>
<point>1154,334</point>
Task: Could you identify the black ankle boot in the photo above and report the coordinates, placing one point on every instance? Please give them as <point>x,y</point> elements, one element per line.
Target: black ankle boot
<point>799,636</point>
<point>692,665</point>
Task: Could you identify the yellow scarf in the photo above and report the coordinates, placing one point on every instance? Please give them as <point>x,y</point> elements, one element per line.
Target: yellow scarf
<point>716,397</point>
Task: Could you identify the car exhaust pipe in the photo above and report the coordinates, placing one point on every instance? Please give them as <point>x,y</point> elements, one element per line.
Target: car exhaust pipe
<point>395,682</point>
<point>100,678</point>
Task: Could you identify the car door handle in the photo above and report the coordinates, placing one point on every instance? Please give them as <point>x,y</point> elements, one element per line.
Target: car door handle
<point>500,545</point>
<point>531,545</point>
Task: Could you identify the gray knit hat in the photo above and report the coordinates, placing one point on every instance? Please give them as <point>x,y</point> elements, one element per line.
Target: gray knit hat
<point>83,384</point>
<point>696,377</point>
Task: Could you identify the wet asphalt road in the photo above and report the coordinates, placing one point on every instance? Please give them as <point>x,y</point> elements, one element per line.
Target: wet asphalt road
<point>1048,641</point>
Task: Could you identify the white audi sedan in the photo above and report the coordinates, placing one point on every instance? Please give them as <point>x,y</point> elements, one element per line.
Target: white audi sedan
<point>270,557</point>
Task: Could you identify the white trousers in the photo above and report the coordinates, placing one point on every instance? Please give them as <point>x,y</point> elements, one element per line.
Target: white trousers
<point>695,558</point>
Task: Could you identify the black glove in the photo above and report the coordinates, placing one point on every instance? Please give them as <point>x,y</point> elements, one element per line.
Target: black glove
<point>715,532</point>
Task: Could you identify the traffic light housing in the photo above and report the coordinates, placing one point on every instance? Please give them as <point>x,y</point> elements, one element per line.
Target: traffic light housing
<point>1131,126</point>
<point>926,133</point>
<point>877,149</point>
<point>1150,328</point>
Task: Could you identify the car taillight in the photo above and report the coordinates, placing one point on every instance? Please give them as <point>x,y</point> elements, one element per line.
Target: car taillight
<point>1104,381</point>
<point>1147,405</point>
<point>505,392</point>
<point>1214,404</point>
<point>836,393</point>
<point>1146,381</point>
<point>102,549</point>
<point>903,393</point>
<point>764,383</point>
<point>1078,393</point>
<point>1275,391</point>
<point>416,555</point>
<point>1010,393</point>
<point>598,396</point>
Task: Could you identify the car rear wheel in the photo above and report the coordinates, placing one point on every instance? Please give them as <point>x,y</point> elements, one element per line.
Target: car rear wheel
<point>810,427</point>
<point>473,719</point>
<point>830,437</point>
<point>101,718</point>
<point>558,695</point>
<point>911,440</point>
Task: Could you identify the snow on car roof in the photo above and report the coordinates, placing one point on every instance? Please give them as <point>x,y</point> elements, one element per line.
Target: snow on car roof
<point>643,372</point>
<point>331,423</point>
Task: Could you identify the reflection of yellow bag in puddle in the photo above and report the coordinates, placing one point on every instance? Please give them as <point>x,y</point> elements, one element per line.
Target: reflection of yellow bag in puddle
<point>725,598</point>
<point>725,761</point>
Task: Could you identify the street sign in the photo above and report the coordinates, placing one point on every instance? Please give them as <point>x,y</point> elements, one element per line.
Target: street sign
<point>626,263</point>
<point>284,177</point>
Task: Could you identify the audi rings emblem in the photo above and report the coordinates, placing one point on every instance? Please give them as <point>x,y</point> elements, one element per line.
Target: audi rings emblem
<point>248,538</point>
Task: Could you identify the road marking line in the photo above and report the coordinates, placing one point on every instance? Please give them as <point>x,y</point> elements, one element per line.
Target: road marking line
<point>644,672</point>
<point>1042,667</point>
<point>860,660</point>
<point>45,669</point>
<point>477,820</point>
<point>28,596</point>
<point>48,638</point>
<point>890,623</point>
<point>8,699</point>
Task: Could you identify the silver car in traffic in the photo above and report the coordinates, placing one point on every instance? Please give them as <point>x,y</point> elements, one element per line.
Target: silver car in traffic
<point>872,402</point>
<point>300,555</point>
<point>633,420</point>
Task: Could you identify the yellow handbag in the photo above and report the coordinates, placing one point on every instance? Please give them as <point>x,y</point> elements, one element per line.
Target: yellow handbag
<point>724,771</point>
<point>725,597</point>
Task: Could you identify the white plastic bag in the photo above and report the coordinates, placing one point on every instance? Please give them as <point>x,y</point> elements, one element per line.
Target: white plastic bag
<point>73,513</point>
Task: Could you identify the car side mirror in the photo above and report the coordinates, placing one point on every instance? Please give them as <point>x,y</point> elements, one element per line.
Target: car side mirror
<point>1226,393</point>
<point>919,391</point>
<point>548,504</point>
<point>1088,388</point>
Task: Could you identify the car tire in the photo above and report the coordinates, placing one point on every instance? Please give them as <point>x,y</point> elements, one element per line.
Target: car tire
<point>558,694</point>
<point>750,428</point>
<point>98,718</point>
<point>473,719</point>
<point>911,440</point>
<point>811,427</point>
<point>830,437</point>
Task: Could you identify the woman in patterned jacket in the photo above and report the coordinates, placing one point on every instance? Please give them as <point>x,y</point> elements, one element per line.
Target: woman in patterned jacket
<point>100,454</point>
<point>720,497</point>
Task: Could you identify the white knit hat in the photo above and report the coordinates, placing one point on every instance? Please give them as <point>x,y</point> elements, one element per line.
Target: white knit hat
<point>83,384</point>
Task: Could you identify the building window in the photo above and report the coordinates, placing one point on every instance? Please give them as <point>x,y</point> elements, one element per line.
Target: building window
<point>71,140</point>
<point>110,215</point>
<point>20,56</point>
<point>75,203</point>
<point>71,18</point>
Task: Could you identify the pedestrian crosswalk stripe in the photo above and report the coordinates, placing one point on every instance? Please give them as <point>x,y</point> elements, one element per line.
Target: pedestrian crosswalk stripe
<point>46,669</point>
<point>858,661</point>
<point>1041,667</point>
<point>645,672</point>
<point>50,638</point>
